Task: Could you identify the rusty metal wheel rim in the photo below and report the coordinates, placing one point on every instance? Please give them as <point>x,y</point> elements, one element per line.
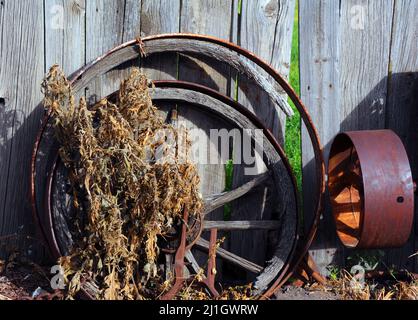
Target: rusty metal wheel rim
<point>382,178</point>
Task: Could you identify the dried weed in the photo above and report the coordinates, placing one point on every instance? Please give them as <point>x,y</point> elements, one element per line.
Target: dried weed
<point>127,195</point>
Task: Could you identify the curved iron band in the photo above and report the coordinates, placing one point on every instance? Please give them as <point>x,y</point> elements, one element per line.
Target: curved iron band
<point>135,45</point>
<point>51,238</point>
<point>388,213</point>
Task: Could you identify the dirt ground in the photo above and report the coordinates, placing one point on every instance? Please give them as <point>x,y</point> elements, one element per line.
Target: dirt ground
<point>21,282</point>
<point>24,282</point>
<point>27,282</point>
<point>297,293</point>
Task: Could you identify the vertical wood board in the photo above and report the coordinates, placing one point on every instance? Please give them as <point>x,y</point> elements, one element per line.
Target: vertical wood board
<point>21,73</point>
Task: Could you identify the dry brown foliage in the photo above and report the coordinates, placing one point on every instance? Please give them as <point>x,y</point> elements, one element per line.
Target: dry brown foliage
<point>127,198</point>
<point>348,288</point>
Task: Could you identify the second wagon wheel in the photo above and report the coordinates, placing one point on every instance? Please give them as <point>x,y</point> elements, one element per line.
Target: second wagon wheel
<point>280,226</point>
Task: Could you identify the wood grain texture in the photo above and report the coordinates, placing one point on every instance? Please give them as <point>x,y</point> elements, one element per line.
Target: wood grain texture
<point>205,17</point>
<point>215,201</point>
<point>319,31</point>
<point>21,73</point>
<point>160,16</point>
<point>260,19</point>
<point>256,21</point>
<point>242,225</point>
<point>363,63</point>
<point>209,17</point>
<point>105,29</point>
<point>132,20</point>
<point>65,32</point>
<point>351,77</point>
<point>344,63</point>
<point>402,109</point>
<point>191,46</point>
<point>231,258</point>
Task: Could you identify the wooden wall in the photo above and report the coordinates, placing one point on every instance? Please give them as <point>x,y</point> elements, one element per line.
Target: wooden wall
<point>35,34</point>
<point>359,70</point>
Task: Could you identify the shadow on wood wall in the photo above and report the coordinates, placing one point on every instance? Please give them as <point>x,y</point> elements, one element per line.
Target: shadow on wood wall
<point>400,114</point>
<point>21,234</point>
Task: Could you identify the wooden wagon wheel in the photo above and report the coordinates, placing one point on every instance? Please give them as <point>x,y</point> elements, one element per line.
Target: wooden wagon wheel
<point>237,57</point>
<point>58,205</point>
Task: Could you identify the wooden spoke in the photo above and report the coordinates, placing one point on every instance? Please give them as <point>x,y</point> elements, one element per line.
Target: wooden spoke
<point>242,225</point>
<point>346,207</point>
<point>230,257</point>
<point>340,161</point>
<point>216,201</point>
<point>168,266</point>
<point>191,259</point>
<point>350,232</point>
<point>347,180</point>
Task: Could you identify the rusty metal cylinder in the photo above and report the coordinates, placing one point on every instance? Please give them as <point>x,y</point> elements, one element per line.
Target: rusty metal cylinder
<point>371,189</point>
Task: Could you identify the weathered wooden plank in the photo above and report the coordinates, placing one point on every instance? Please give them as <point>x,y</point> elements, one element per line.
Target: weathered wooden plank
<point>105,29</point>
<point>242,225</point>
<point>319,31</point>
<point>231,258</point>
<point>215,201</point>
<point>255,20</point>
<point>65,37</point>
<point>64,45</point>
<point>364,60</point>
<point>157,17</point>
<point>401,110</point>
<point>210,17</point>
<point>204,17</point>
<point>187,45</point>
<point>193,262</point>
<point>21,73</point>
<point>344,60</point>
<point>132,20</point>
